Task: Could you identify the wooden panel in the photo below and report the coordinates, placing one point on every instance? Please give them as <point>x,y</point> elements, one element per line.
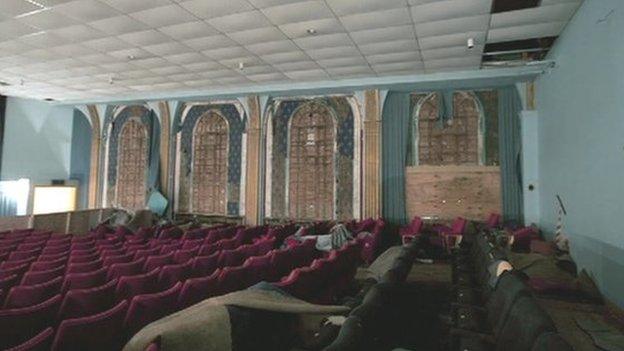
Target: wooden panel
<point>94,170</point>
<point>14,222</point>
<point>253,161</point>
<point>56,222</point>
<point>446,192</point>
<point>372,155</point>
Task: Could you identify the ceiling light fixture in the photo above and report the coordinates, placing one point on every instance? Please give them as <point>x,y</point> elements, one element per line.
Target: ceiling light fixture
<point>241,66</point>
<point>311,31</point>
<point>470,43</point>
<point>131,57</point>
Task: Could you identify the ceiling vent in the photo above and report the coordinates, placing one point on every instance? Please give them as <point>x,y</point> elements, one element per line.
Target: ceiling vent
<point>513,5</point>
<point>4,84</point>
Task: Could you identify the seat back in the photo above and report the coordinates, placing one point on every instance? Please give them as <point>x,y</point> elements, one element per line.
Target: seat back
<point>195,290</point>
<point>17,270</point>
<point>111,260</point>
<point>83,302</point>
<point>526,322</point>
<point>47,265</point>
<point>141,253</point>
<point>259,266</point>
<point>38,277</point>
<point>229,258</point>
<point>157,261</point>
<point>83,259</point>
<point>459,225</point>
<point>173,273</point>
<point>233,279</point>
<point>84,267</point>
<point>18,325</point>
<point>120,269</point>
<point>205,265</point>
<point>29,295</point>
<point>181,256</point>
<point>147,308</point>
<point>130,286</point>
<point>99,332</point>
<point>84,280</point>
<point>39,342</point>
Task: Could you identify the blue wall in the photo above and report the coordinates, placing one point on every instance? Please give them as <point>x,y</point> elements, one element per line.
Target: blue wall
<point>80,158</point>
<point>581,139</point>
<point>37,140</point>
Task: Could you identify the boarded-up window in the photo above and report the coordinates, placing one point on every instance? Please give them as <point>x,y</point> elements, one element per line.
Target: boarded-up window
<point>210,153</point>
<point>311,163</point>
<point>132,165</point>
<point>454,143</point>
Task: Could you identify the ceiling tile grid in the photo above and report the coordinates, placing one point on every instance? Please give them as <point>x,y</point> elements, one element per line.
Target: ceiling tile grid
<point>93,49</point>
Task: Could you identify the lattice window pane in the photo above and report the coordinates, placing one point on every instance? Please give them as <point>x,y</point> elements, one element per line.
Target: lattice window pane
<point>454,144</point>
<point>311,163</point>
<point>132,165</point>
<point>210,157</point>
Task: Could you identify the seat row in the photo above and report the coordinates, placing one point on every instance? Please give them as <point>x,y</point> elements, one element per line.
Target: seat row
<point>493,308</point>
<point>122,317</point>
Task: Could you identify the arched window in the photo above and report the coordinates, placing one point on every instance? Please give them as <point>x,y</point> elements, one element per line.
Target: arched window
<point>311,163</point>
<point>132,165</point>
<point>210,164</point>
<point>454,143</point>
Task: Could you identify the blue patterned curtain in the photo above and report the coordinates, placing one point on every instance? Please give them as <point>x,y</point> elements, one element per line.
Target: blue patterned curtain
<point>510,148</point>
<point>153,174</point>
<point>395,127</point>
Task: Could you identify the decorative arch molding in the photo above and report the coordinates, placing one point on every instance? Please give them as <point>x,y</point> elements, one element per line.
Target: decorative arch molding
<point>186,117</point>
<point>278,113</point>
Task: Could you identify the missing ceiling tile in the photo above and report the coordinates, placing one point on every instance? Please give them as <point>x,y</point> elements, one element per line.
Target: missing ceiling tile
<point>513,5</point>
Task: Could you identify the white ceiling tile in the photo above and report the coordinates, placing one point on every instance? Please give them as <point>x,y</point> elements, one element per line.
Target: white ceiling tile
<point>339,51</point>
<point>412,67</point>
<point>554,2</point>
<point>12,8</point>
<point>107,44</point>
<point>98,58</point>
<point>128,6</point>
<point>145,37</point>
<point>205,65</point>
<point>168,70</point>
<point>258,69</point>
<point>298,12</point>
<point>394,57</point>
<point>240,21</point>
<point>125,54</point>
<point>12,47</point>
<point>46,20</point>
<point>456,62</point>
<point>324,41</point>
<point>211,42</point>
<point>211,9</point>
<point>453,51</point>
<point>267,77</point>
<point>296,66</point>
<point>456,25</point>
<point>163,16</point>
<point>226,53</point>
<point>221,73</point>
<point>272,47</point>
<point>350,71</point>
<point>72,50</point>
<point>10,29</point>
<point>268,3</point>
<point>183,77</point>
<point>78,33</point>
<point>449,40</point>
<point>185,58</point>
<point>349,7</point>
<point>248,61</point>
<point>388,46</point>
<point>232,80</point>
<point>342,62</point>
<point>170,48</point>
<point>119,25</point>
<point>442,10</point>
<point>201,83</point>
<point>543,14</point>
<point>282,57</point>
<point>383,34</point>
<point>313,74</point>
<point>380,19</point>
<point>260,35</point>
<point>321,26</point>
<point>86,10</point>
<point>43,40</point>
<point>149,63</point>
<point>188,30</point>
<point>528,31</point>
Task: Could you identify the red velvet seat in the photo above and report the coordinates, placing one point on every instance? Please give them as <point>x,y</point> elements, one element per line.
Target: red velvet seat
<point>130,286</point>
<point>29,295</point>
<point>29,246</point>
<point>192,243</point>
<point>157,261</point>
<point>53,257</point>
<point>173,273</point>
<point>234,278</point>
<point>38,277</point>
<point>106,252</point>
<point>225,244</point>
<point>82,259</point>
<point>17,270</point>
<point>100,332</point>
<point>83,302</point>
<point>47,265</point>
<point>7,283</point>
<point>84,267</point>
<point>17,263</point>
<point>84,280</point>
<point>195,290</point>
<point>147,308</point>
<point>205,265</point>
<point>83,246</point>
<point>143,253</point>
<point>167,248</point>
<point>39,342</point>
<point>110,260</point>
<point>120,269</point>
<point>23,255</point>
<point>181,256</point>
<point>229,258</point>
<point>493,221</point>
<point>18,325</point>
<point>259,267</point>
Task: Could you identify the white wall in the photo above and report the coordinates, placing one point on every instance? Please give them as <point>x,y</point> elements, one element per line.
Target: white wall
<point>581,141</point>
<point>37,140</point>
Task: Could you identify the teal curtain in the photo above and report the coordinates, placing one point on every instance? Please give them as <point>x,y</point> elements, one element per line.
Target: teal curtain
<point>153,175</point>
<point>510,148</point>
<point>395,125</point>
<point>445,106</point>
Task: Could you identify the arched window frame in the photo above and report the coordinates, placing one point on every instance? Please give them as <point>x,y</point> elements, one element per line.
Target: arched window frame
<point>334,120</point>
<point>481,132</point>
<point>120,154</point>
<point>208,115</point>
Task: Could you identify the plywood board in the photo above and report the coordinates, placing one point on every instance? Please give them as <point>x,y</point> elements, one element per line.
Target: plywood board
<point>447,192</point>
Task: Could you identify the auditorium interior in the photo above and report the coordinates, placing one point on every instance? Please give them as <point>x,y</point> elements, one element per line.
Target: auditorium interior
<point>307,175</point>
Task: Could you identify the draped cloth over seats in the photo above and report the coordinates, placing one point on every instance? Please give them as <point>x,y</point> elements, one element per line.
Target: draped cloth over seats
<point>206,325</point>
